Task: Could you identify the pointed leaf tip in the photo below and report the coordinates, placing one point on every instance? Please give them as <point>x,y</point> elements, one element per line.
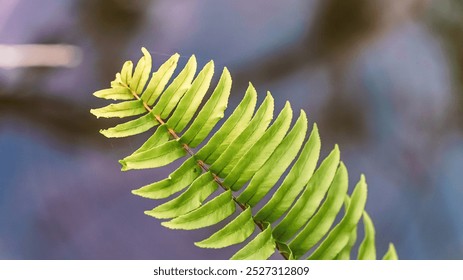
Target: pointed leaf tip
<point>362,178</point>
<point>147,212</point>
<point>123,165</point>
<point>226,72</point>
<point>144,51</point>
<point>391,253</point>
<point>92,111</point>
<point>315,126</point>
<point>209,64</point>
<point>303,114</point>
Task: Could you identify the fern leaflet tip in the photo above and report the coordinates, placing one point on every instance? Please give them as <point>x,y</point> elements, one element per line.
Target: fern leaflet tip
<point>92,112</point>
<point>123,165</point>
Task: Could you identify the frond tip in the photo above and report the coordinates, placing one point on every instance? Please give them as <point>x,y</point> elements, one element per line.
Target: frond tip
<point>248,153</point>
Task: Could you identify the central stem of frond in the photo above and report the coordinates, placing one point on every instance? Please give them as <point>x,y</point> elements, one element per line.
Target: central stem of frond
<point>203,165</point>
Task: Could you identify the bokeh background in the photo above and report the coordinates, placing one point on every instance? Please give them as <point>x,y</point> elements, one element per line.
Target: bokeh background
<point>382,78</point>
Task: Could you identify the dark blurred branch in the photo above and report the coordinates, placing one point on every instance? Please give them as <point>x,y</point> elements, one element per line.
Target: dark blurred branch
<point>110,25</point>
<point>63,120</point>
<point>339,31</point>
<point>446,20</point>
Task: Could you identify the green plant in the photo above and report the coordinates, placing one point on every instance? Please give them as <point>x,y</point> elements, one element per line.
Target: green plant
<point>246,153</point>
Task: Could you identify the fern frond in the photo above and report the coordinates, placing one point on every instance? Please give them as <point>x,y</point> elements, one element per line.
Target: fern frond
<point>251,150</point>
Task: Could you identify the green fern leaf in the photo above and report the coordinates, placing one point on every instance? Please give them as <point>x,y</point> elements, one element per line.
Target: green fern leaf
<point>117,93</point>
<point>159,137</point>
<point>141,73</point>
<point>253,131</point>
<point>248,151</point>
<point>260,248</point>
<point>345,252</point>
<point>132,127</point>
<point>126,72</point>
<point>391,253</point>
<point>310,198</point>
<point>235,232</point>
<point>121,110</point>
<point>268,175</point>
<point>188,105</point>
<point>211,213</point>
<point>176,89</point>
<point>294,183</point>
<point>158,80</point>
<point>177,181</point>
<point>321,222</point>
<point>367,250</point>
<point>340,235</point>
<point>258,154</point>
<point>189,200</point>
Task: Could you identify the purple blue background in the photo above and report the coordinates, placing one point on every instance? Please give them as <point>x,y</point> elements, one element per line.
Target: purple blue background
<point>396,116</point>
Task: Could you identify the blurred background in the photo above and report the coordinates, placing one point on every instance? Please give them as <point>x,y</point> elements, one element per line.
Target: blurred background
<point>382,78</point>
